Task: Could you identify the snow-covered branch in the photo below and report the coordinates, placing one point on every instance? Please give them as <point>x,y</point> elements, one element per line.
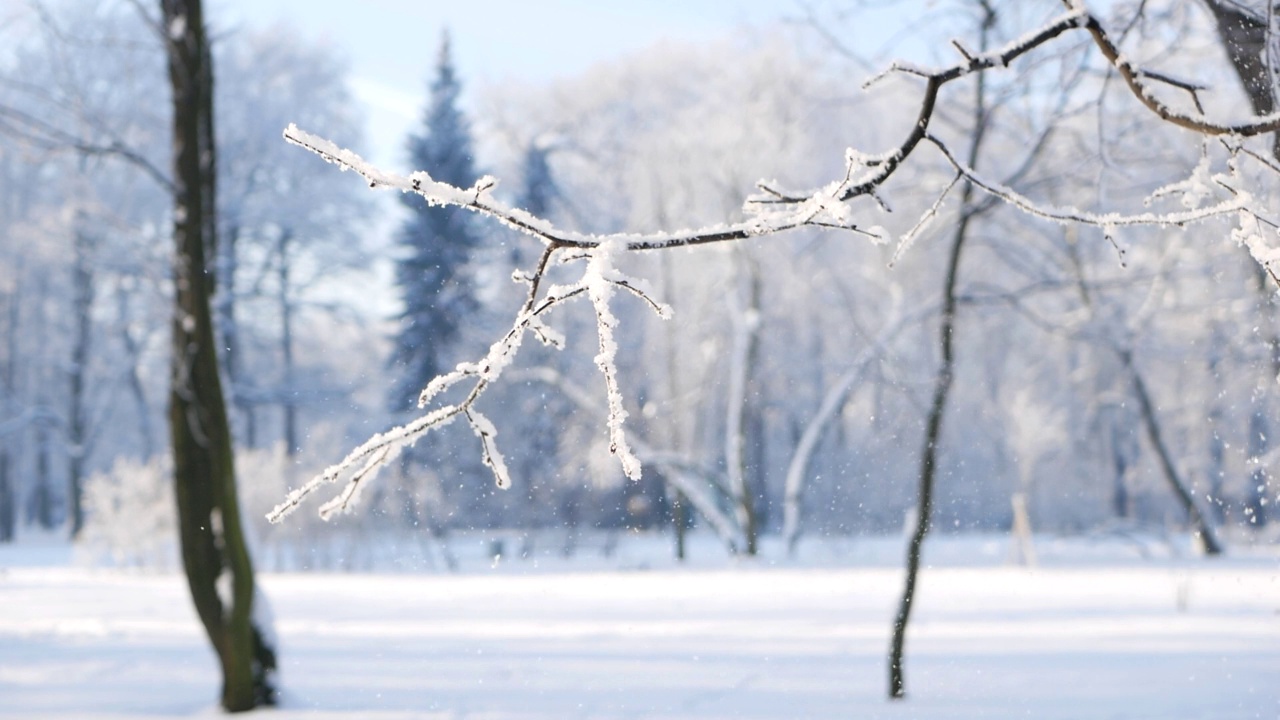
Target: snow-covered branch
<point>815,210</point>
<point>599,280</point>
<point>769,212</point>
<point>1107,221</point>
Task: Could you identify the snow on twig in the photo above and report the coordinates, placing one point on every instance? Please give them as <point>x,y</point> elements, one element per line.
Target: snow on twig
<point>769,214</point>
<point>479,199</point>
<point>601,279</point>
<point>492,457</point>
<point>923,223</point>
<point>1000,57</point>
<point>376,452</point>
<point>1107,221</point>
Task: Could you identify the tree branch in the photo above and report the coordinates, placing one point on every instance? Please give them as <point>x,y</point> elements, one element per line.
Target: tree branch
<point>770,212</point>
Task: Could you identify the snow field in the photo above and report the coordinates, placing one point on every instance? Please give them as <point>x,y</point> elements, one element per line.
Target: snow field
<point>1184,639</point>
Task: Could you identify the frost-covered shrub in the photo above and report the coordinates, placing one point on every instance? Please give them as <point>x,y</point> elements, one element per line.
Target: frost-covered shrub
<point>130,515</point>
<point>265,475</point>
<point>348,542</point>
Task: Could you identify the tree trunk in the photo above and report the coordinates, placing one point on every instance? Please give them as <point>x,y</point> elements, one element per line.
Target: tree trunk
<point>746,345</point>
<point>1212,546</point>
<point>8,500</point>
<point>828,411</point>
<point>209,525</point>
<point>675,432</point>
<point>941,390</point>
<point>289,400</point>
<point>41,510</point>
<point>1121,503</point>
<point>680,521</point>
<point>77,439</point>
<point>1244,37</point>
<point>928,460</point>
<point>8,485</point>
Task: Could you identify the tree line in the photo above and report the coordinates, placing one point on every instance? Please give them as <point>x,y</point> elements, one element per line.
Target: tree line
<point>1108,375</point>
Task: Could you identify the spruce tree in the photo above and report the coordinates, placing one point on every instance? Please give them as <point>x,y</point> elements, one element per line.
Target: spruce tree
<point>432,274</point>
<point>539,189</point>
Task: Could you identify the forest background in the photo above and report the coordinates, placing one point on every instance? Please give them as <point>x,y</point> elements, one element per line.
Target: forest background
<point>666,137</point>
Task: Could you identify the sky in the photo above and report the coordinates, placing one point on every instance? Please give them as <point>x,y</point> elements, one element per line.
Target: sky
<point>391,45</point>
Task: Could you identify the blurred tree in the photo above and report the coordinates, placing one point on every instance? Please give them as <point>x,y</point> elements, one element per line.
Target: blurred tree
<point>1248,39</point>
<point>438,242</point>
<point>214,553</point>
<point>285,229</point>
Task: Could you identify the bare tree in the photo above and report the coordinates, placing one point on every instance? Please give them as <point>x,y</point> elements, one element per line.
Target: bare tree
<point>1250,40</point>
<point>77,420</point>
<point>209,523</point>
<point>774,211</point>
<point>771,212</point>
<point>8,481</point>
<point>284,230</point>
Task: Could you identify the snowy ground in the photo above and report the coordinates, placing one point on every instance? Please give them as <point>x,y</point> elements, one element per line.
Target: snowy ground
<point>1089,634</point>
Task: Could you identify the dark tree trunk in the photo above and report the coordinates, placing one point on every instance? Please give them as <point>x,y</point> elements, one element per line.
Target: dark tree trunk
<point>941,389</point>
<point>40,498</point>
<point>743,406</point>
<point>77,427</point>
<point>8,500</point>
<point>41,508</point>
<point>680,523</point>
<point>928,459</point>
<point>1124,454</point>
<point>1244,37</point>
<point>209,522</point>
<point>1212,546</point>
<point>8,486</point>
<point>1120,502</point>
<point>289,393</point>
<point>1255,498</point>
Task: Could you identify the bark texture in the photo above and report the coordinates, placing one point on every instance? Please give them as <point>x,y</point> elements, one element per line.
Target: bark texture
<point>214,555</point>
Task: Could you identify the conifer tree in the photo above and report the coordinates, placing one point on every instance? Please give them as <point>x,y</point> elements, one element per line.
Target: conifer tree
<point>539,186</point>
<point>432,274</point>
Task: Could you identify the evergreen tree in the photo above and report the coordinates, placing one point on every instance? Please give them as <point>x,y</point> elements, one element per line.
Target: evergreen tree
<point>539,186</point>
<point>538,189</point>
<point>432,274</point>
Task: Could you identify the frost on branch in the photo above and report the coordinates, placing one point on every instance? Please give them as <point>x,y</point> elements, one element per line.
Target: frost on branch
<point>493,460</point>
<point>600,279</point>
<point>768,215</point>
<point>1261,239</point>
<point>1236,200</point>
<point>923,223</point>
<point>774,211</point>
